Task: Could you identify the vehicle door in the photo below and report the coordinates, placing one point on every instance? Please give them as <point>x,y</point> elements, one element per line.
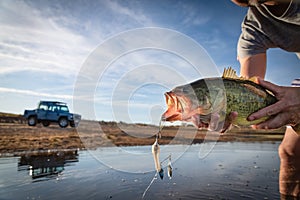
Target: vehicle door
<point>53,113</point>
<point>42,111</point>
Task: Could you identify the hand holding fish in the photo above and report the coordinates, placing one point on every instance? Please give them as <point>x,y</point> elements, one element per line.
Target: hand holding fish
<point>286,111</point>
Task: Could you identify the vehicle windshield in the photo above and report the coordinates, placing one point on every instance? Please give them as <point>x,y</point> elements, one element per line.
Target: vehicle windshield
<point>43,107</point>
<point>64,109</point>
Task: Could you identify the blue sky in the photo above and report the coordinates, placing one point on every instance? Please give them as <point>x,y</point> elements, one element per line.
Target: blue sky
<point>46,45</point>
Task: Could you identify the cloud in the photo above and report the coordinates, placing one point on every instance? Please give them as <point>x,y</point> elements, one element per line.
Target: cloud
<point>57,38</point>
<point>134,12</point>
<point>195,15</point>
<point>45,44</point>
<point>141,61</point>
<point>34,93</point>
<point>31,42</point>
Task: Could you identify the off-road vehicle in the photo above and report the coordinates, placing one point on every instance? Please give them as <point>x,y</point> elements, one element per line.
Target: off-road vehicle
<point>52,111</point>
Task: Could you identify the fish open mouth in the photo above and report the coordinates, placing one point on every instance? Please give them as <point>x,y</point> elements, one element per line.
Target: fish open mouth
<point>179,109</point>
<point>174,111</point>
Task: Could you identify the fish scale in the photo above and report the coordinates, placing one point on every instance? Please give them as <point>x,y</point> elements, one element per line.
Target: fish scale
<point>244,100</point>
<point>238,96</point>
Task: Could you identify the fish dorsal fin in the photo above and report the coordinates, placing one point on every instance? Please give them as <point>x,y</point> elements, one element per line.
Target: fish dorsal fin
<point>254,79</point>
<point>230,73</point>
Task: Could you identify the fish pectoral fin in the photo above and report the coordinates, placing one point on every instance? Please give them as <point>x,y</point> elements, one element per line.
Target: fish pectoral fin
<point>218,121</point>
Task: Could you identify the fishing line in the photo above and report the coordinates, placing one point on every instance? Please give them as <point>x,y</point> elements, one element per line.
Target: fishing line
<point>146,190</point>
<point>168,158</point>
<point>155,175</point>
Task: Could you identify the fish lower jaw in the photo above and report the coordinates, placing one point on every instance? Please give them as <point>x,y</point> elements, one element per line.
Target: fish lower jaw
<point>173,117</point>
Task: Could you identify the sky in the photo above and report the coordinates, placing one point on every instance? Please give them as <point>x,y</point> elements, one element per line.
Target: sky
<point>114,60</point>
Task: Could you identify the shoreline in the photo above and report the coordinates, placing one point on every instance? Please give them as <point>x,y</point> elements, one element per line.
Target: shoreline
<point>17,138</point>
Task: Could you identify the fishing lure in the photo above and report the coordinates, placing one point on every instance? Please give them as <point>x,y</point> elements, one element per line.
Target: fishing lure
<point>156,152</point>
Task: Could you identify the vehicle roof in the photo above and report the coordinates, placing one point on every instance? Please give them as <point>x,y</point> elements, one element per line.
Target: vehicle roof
<point>53,103</point>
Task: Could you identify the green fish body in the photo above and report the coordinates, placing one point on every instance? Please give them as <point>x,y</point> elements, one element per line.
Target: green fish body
<point>229,95</point>
<point>198,101</point>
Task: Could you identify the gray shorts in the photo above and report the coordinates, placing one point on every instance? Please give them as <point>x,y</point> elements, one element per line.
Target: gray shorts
<point>262,30</point>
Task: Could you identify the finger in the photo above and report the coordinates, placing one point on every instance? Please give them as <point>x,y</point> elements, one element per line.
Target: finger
<point>274,122</point>
<point>267,111</point>
<point>270,86</point>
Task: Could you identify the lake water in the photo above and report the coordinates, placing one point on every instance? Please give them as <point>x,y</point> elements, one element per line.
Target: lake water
<point>226,171</point>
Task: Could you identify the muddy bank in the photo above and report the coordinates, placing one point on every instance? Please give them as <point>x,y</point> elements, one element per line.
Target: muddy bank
<point>17,136</point>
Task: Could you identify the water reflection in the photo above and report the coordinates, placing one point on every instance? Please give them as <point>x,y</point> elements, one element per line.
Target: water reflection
<point>46,164</point>
<point>230,171</point>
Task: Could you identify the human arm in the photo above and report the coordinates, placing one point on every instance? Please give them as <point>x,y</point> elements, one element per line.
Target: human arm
<point>289,149</point>
<point>253,66</point>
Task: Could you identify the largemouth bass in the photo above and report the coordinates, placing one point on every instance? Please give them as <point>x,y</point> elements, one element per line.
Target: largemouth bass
<point>209,99</point>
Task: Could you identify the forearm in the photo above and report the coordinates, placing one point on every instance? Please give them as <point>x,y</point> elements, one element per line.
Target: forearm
<point>253,66</point>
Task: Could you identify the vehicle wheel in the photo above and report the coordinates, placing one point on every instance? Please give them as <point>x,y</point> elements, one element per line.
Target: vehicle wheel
<point>32,121</point>
<point>63,122</point>
<point>45,123</point>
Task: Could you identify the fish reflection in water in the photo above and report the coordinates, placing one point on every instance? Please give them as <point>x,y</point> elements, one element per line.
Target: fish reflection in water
<point>46,164</point>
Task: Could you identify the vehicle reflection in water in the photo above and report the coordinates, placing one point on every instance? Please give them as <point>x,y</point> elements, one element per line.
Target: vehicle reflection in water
<point>46,164</point>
